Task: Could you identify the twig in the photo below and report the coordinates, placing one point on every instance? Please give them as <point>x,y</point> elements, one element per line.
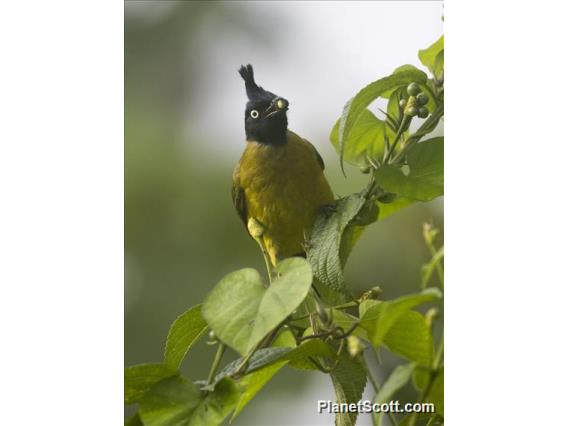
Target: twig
<point>216,362</point>
<point>332,333</point>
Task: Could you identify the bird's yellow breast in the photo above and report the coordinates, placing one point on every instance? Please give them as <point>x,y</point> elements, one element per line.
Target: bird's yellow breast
<point>284,187</point>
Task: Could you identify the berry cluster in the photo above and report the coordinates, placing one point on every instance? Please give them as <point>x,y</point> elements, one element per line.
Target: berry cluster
<point>416,102</point>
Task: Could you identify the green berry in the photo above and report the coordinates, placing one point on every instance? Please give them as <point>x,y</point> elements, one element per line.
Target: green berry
<point>423,112</point>
<point>412,111</point>
<point>402,103</point>
<point>422,99</point>
<point>413,89</point>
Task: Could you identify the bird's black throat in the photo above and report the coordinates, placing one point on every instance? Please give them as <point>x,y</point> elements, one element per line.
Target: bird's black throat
<point>268,130</point>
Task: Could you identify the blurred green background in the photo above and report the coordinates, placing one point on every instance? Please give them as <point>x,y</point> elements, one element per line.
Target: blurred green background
<point>184,132</point>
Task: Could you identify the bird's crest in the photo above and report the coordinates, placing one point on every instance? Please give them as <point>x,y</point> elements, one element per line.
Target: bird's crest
<point>253,90</point>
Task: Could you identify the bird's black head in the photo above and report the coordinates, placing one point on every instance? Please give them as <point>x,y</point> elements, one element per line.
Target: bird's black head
<point>265,113</point>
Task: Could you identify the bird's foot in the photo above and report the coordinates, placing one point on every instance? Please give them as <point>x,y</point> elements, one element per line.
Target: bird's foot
<point>255,228</point>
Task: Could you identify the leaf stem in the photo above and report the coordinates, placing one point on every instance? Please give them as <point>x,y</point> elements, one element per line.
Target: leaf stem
<point>439,354</point>
<point>403,124</point>
<point>431,378</point>
<point>439,270</point>
<point>347,305</point>
<point>216,362</point>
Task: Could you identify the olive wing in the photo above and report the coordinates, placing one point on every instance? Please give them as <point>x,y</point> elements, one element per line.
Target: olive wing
<point>238,196</point>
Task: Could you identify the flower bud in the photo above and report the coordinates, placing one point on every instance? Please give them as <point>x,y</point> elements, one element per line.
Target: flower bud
<point>402,103</point>
<point>354,346</point>
<point>413,89</point>
<point>373,293</point>
<point>431,315</point>
<point>412,111</point>
<point>429,233</point>
<point>423,112</point>
<point>212,338</point>
<point>422,98</point>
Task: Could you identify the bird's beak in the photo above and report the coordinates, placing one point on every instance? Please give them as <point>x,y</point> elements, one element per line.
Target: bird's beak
<point>276,106</point>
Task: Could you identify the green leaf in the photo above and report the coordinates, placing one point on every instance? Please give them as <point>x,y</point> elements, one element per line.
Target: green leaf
<point>366,139</point>
<point>436,394</point>
<point>285,339</point>
<point>300,357</point>
<point>406,67</point>
<point>386,209</point>
<point>184,332</point>
<point>349,379</point>
<point>439,64</point>
<point>241,311</point>
<point>428,56</point>
<point>138,379</point>
<point>267,356</point>
<point>410,337</point>
<point>425,180</point>
<point>265,363</point>
<point>365,305</point>
<point>346,321</point>
<point>428,269</point>
<point>378,319</point>
<point>254,382</point>
<point>329,295</point>
<point>177,402</point>
<point>358,104</point>
<point>335,231</point>
<point>396,381</point>
<point>260,359</point>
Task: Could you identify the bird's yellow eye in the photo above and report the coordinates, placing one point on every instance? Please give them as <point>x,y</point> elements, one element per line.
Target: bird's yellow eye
<point>281,104</point>
<point>254,113</point>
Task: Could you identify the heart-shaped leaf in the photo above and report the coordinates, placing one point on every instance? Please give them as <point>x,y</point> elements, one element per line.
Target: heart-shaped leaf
<point>241,311</point>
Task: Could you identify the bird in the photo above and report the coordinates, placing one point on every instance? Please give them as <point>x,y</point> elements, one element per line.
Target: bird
<point>279,186</point>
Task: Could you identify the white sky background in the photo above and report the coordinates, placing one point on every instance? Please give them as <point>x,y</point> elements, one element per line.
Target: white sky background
<point>325,53</point>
